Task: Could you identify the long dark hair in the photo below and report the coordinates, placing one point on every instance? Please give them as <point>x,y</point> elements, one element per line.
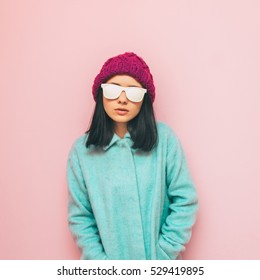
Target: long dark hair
<point>142,128</point>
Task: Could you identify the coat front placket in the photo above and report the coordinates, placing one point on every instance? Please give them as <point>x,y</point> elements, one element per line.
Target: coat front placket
<point>129,196</point>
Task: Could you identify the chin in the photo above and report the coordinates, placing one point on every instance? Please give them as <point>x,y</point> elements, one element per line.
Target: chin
<point>121,119</point>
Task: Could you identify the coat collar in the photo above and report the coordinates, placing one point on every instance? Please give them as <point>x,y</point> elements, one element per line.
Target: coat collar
<point>115,139</point>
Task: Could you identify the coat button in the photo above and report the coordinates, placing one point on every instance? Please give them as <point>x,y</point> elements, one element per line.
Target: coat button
<point>122,143</point>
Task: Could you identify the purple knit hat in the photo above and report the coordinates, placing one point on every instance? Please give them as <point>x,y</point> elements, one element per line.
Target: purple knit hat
<point>129,64</point>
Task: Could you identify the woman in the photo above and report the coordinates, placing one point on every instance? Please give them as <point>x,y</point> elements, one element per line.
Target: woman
<point>130,192</point>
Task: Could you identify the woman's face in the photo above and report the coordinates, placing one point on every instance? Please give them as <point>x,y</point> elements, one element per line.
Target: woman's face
<point>121,110</point>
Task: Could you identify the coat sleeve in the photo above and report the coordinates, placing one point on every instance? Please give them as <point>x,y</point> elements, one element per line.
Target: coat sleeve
<point>81,220</point>
<point>176,230</point>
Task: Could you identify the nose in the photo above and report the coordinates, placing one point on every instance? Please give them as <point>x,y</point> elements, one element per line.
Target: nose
<point>122,99</point>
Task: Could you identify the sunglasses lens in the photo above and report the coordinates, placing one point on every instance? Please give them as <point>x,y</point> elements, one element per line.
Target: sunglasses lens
<point>135,94</point>
<point>111,91</point>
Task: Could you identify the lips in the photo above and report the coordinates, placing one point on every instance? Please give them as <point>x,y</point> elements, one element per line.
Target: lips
<point>121,111</point>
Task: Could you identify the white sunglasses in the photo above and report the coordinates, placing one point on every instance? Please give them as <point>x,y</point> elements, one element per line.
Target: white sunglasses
<point>134,94</point>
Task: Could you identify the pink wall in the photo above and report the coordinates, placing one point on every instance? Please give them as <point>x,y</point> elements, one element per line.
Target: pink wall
<point>204,56</point>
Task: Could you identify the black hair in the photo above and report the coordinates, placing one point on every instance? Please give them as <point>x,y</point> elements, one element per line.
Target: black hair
<point>142,128</point>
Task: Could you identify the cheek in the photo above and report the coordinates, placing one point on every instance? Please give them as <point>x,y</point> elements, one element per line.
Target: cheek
<point>106,105</point>
<point>138,107</point>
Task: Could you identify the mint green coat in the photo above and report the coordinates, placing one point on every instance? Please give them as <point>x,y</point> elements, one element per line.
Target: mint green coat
<point>125,204</point>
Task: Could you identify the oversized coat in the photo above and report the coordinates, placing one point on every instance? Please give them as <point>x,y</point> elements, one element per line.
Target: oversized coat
<point>125,204</point>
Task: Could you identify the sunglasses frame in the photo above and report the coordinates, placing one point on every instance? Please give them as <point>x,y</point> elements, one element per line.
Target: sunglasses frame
<point>126,90</point>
